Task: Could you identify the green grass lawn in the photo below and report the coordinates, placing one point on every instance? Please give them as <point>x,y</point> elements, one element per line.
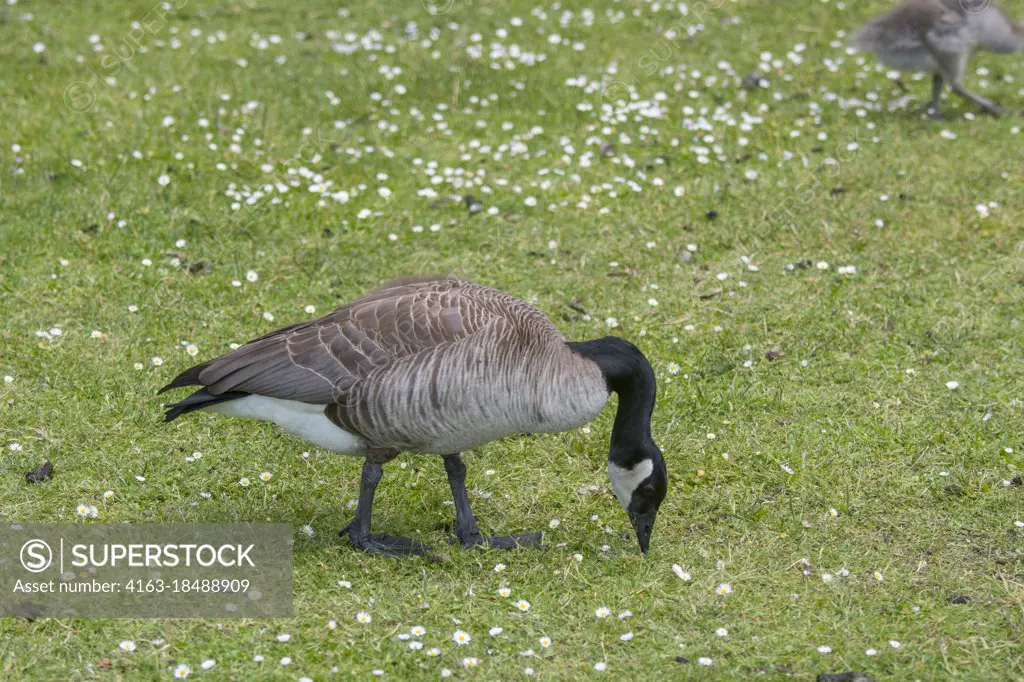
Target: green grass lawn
<point>843,487</point>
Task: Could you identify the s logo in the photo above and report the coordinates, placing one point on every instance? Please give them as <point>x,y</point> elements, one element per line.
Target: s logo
<point>36,556</point>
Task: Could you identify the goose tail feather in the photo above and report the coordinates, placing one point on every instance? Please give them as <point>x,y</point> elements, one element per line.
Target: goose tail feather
<point>199,400</point>
<point>190,377</point>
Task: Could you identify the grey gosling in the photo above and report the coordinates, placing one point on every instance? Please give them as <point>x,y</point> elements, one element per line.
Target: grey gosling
<point>939,36</point>
<point>439,366</point>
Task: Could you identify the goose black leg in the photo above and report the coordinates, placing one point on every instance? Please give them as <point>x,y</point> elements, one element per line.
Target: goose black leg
<point>934,109</point>
<point>952,67</point>
<point>358,530</point>
<point>987,105</point>
<point>465,523</point>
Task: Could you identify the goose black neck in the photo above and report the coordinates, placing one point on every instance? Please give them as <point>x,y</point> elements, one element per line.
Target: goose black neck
<point>629,374</point>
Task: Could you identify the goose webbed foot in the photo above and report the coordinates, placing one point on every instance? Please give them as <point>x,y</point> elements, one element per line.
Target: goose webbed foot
<point>995,110</point>
<point>389,545</point>
<point>477,539</point>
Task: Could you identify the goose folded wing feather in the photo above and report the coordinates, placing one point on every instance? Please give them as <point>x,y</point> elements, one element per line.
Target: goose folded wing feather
<point>320,361</point>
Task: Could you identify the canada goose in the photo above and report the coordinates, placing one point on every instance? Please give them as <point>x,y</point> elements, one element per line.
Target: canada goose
<point>938,36</point>
<point>439,366</point>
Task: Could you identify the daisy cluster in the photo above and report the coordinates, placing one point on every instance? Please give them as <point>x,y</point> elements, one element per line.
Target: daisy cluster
<point>352,167</point>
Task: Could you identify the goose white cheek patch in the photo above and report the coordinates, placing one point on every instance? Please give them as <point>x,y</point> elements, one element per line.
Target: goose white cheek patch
<point>625,480</point>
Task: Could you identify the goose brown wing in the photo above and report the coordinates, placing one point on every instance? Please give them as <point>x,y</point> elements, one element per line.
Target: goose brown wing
<point>321,360</point>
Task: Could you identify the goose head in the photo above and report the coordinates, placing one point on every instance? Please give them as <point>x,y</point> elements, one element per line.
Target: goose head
<point>635,464</point>
<point>640,483</point>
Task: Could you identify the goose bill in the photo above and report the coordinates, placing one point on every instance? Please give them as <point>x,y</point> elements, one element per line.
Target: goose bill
<point>643,524</point>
